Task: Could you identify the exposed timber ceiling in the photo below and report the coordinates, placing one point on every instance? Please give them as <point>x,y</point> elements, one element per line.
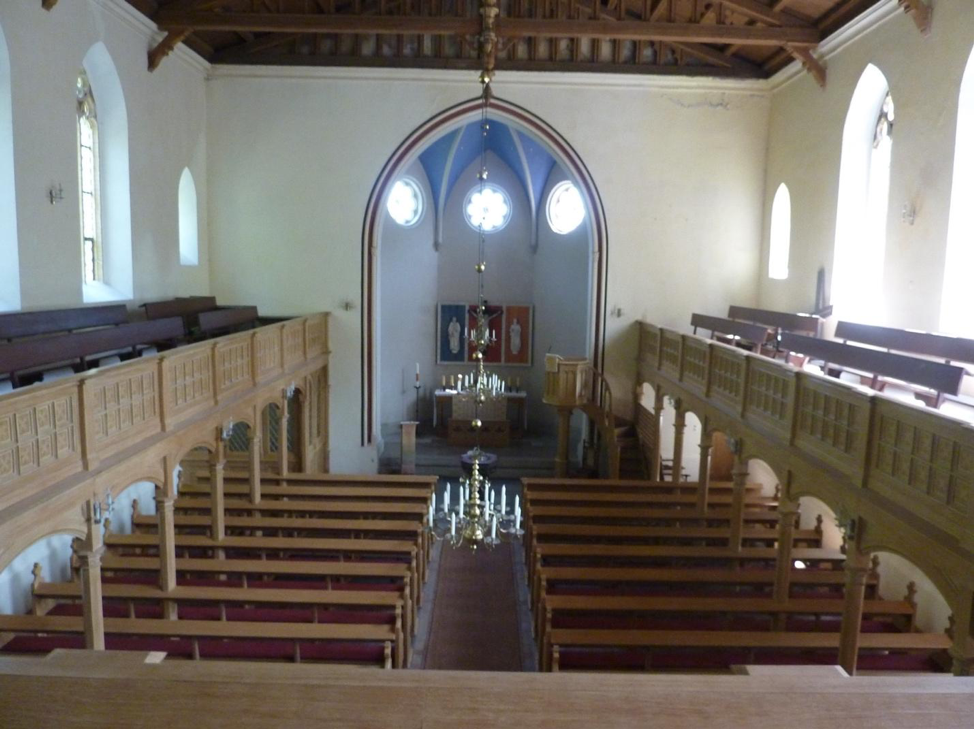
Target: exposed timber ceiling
<point>729,38</point>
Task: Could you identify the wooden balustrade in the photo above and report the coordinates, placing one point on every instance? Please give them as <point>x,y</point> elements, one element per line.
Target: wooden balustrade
<point>58,436</point>
<point>906,471</point>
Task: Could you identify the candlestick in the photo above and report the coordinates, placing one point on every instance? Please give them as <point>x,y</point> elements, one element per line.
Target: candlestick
<point>517,518</point>
<point>453,525</point>
<point>503,499</point>
<point>446,498</point>
<point>493,528</point>
<point>461,500</point>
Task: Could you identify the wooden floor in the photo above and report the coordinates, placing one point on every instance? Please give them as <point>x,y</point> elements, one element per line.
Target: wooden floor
<point>118,690</point>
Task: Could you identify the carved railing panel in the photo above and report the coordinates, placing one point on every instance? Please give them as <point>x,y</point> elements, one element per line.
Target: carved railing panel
<point>670,346</point>
<point>696,362</point>
<point>268,352</point>
<point>293,342</point>
<point>831,422</point>
<point>187,377</point>
<point>40,433</point>
<point>649,341</point>
<point>316,336</point>
<point>727,374</point>
<point>122,405</point>
<point>770,394</point>
<point>233,363</point>
<point>923,461</point>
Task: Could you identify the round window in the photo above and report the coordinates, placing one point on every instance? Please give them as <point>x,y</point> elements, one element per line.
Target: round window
<point>405,202</point>
<point>489,207</point>
<point>566,211</point>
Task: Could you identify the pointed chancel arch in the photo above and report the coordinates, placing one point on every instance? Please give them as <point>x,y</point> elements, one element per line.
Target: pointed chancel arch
<point>452,118</point>
<point>860,227</point>
<point>9,254</point>
<point>189,236</point>
<point>780,239</point>
<point>115,203</point>
<point>955,304</point>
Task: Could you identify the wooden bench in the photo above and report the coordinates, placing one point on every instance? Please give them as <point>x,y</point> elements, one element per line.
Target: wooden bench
<point>532,485</point>
<point>29,355</point>
<point>649,499</point>
<point>602,562</point>
<point>234,638</point>
<point>238,488</point>
<point>605,607</point>
<point>378,603</point>
<point>187,309</point>
<point>266,546</point>
<point>228,319</point>
<point>583,533</point>
<point>332,575</point>
<point>782,321</point>
<point>934,378</point>
<point>354,509</point>
<point>752,336</point>
<point>748,640</point>
<point>23,324</point>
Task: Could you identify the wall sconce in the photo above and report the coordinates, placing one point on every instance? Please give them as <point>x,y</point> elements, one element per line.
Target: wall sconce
<point>289,392</point>
<point>55,194</point>
<point>347,305</point>
<point>616,311</point>
<point>909,213</point>
<point>227,430</point>
<point>98,511</point>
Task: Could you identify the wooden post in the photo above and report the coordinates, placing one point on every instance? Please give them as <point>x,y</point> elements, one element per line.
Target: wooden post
<point>856,573</point>
<point>218,518</point>
<point>254,465</point>
<point>564,433</point>
<point>408,450</point>
<point>655,455</point>
<point>167,552</point>
<point>739,475</point>
<point>282,437</point>
<point>679,425</point>
<point>962,650</point>
<point>706,443</point>
<point>787,509</point>
<point>91,599</point>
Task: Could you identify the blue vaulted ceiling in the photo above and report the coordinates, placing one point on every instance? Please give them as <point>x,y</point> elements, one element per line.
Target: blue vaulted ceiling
<point>446,159</point>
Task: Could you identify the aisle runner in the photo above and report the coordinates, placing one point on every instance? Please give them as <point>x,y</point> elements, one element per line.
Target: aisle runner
<point>475,617</point>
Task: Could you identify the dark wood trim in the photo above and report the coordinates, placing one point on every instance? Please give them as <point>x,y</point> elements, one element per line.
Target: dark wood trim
<point>32,323</point>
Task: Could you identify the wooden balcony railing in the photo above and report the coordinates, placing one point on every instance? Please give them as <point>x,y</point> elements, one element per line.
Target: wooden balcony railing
<point>62,430</point>
<point>907,471</point>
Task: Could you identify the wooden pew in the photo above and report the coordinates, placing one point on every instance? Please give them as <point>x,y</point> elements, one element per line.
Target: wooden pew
<point>937,378</point>
<point>229,319</point>
<point>531,485</point>
<point>264,546</point>
<point>607,607</point>
<point>647,499</point>
<point>22,324</point>
<point>187,309</point>
<point>380,603</point>
<point>237,488</point>
<point>752,336</point>
<point>237,632</point>
<point>251,571</point>
<point>611,562</point>
<point>941,346</point>
<point>45,352</point>
<point>781,321</point>
<point>748,640</point>
<point>588,533</point>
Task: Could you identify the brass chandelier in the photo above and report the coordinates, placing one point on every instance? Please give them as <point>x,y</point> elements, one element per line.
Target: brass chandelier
<point>480,516</point>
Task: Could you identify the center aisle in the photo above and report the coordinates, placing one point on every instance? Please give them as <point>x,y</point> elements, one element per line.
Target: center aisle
<point>476,620</point>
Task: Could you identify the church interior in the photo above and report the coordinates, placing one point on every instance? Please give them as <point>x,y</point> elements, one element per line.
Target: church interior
<point>384,363</point>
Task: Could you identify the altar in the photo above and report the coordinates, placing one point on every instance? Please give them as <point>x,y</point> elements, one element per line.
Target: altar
<point>504,416</point>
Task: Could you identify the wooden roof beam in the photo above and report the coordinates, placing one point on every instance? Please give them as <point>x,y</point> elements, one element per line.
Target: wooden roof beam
<point>717,58</point>
<point>765,13</point>
<point>166,46</point>
<point>510,28</point>
<point>810,62</point>
<point>921,13</point>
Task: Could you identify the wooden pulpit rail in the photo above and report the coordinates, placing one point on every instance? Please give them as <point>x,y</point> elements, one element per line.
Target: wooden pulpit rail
<point>753,334</point>
<point>941,378</point>
<point>784,321</point>
<point>33,354</point>
<point>33,323</point>
<point>941,346</point>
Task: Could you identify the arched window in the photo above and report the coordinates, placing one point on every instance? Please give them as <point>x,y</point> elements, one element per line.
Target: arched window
<point>490,208</point>
<point>189,235</point>
<point>88,180</point>
<point>565,208</point>
<point>780,233</point>
<point>955,304</point>
<point>9,256</point>
<point>106,206</point>
<point>860,233</point>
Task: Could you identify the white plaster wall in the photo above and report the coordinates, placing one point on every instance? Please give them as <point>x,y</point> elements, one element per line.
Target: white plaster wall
<point>54,555</point>
<point>804,148</point>
<point>760,472</point>
<point>145,492</point>
<point>895,573</point>
<point>294,154</point>
<point>166,119</point>
<point>407,311</point>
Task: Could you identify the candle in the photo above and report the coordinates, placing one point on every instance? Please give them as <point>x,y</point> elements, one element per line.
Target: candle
<point>417,372</point>
<point>431,512</point>
<point>517,518</point>
<point>453,525</point>
<point>446,497</point>
<point>493,528</point>
<point>517,502</point>
<point>443,382</point>
<point>503,499</point>
<point>461,500</point>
